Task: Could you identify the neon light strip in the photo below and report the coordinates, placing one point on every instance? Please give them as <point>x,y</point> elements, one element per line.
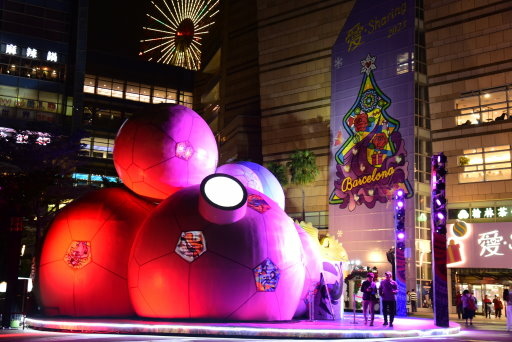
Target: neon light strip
<point>181,329</point>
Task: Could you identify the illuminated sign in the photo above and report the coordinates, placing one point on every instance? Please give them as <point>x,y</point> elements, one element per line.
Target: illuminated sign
<point>31,53</point>
<point>11,49</point>
<point>51,56</point>
<point>503,213</point>
<point>480,245</point>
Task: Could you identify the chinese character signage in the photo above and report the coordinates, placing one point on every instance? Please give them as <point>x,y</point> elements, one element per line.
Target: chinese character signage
<point>499,213</point>
<point>480,245</point>
<point>372,118</point>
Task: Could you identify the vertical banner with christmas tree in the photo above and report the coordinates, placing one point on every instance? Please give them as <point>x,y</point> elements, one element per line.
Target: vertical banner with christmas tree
<point>372,126</point>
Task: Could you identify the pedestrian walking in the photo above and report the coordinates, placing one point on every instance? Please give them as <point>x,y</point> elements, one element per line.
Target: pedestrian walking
<point>408,303</point>
<point>458,304</point>
<point>369,290</point>
<point>468,306</point>
<point>414,300</point>
<point>388,290</point>
<point>487,306</point>
<point>498,306</point>
<point>507,297</point>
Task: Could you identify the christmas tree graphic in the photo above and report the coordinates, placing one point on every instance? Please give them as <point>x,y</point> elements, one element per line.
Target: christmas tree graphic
<point>371,164</point>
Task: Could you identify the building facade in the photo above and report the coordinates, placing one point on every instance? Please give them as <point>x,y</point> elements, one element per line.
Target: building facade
<point>468,44</point>
<point>462,101</point>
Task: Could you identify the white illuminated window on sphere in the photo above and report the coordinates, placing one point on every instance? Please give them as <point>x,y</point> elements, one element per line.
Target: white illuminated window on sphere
<point>51,56</point>
<point>11,49</point>
<point>224,191</point>
<point>32,53</point>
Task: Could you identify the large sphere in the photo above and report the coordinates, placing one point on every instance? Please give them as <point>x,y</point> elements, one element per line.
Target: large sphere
<point>183,266</point>
<point>83,267</point>
<point>245,175</point>
<point>163,150</point>
<point>271,186</point>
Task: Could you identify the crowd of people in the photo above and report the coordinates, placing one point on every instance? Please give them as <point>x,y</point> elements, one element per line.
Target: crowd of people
<point>466,304</point>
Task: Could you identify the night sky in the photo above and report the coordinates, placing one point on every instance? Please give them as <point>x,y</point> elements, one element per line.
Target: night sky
<point>115,26</point>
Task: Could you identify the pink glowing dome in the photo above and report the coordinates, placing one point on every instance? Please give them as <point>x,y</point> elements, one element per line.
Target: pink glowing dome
<point>271,186</point>
<point>84,261</point>
<point>246,266</point>
<point>167,148</point>
<point>245,175</point>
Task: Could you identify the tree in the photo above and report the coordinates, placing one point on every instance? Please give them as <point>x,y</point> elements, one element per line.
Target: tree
<point>279,171</point>
<point>34,172</point>
<point>303,170</point>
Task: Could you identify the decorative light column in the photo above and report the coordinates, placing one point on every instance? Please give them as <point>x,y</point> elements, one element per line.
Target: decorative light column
<point>401,300</point>
<point>439,271</point>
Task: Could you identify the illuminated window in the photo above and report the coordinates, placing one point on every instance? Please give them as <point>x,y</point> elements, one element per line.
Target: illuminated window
<point>186,99</point>
<point>145,93</point>
<point>482,106</point>
<point>159,95</point>
<point>132,92</point>
<point>172,96</point>
<point>485,164</point>
<point>97,147</point>
<point>117,89</point>
<point>89,84</point>
<point>104,86</point>
<point>402,63</point>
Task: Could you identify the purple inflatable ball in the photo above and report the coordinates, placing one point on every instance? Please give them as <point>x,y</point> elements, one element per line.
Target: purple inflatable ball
<point>245,175</point>
<point>184,266</point>
<point>271,186</point>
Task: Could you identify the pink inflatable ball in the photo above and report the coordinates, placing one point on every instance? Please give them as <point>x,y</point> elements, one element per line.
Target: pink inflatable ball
<point>167,148</point>
<point>312,261</point>
<point>184,266</point>
<point>83,267</point>
<point>271,186</point>
<point>245,175</point>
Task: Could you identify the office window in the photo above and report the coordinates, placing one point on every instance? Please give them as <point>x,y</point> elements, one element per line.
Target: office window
<point>132,91</point>
<point>485,164</point>
<point>483,106</point>
<point>145,93</point>
<point>117,89</point>
<point>89,84</point>
<point>104,86</point>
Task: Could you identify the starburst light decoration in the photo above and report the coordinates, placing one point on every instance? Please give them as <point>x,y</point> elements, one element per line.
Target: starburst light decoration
<point>176,30</point>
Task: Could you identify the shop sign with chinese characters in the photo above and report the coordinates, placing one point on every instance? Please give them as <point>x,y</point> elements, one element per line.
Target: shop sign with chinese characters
<point>480,245</point>
<point>502,213</point>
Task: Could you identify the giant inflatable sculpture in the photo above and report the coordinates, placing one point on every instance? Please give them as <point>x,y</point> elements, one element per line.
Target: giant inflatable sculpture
<point>190,240</point>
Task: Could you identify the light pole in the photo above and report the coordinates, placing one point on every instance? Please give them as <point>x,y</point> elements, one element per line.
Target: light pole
<point>401,300</point>
<point>438,216</point>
